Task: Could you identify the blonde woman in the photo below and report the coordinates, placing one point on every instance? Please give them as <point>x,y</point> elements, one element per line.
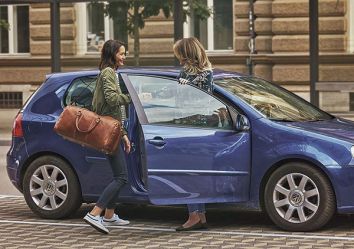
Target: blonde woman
<point>196,70</point>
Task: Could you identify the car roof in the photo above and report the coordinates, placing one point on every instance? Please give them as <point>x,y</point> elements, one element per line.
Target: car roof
<point>156,71</point>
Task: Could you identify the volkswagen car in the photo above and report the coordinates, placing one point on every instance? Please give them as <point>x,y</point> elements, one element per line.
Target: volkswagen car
<point>249,142</point>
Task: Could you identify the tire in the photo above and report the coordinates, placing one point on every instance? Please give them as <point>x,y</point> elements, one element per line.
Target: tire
<point>51,188</point>
<point>298,197</point>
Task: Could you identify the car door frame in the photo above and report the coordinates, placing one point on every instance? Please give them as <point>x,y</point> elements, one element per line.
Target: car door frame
<point>144,121</point>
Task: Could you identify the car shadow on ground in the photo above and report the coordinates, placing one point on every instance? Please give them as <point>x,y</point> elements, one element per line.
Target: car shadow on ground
<point>178,214</point>
<point>224,218</point>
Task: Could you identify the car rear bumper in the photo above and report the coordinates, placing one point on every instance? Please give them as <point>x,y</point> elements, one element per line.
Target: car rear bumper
<point>14,160</point>
<point>12,166</point>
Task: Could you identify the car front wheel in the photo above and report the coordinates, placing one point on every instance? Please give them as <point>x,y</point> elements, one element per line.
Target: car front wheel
<point>51,188</point>
<point>299,197</point>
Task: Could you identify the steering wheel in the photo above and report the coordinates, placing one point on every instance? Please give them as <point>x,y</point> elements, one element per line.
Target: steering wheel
<point>266,108</point>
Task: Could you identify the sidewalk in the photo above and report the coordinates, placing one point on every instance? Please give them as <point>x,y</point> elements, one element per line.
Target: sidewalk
<point>7,117</point>
<point>5,136</point>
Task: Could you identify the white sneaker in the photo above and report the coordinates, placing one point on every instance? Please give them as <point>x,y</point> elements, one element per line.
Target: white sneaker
<point>114,221</point>
<point>96,223</point>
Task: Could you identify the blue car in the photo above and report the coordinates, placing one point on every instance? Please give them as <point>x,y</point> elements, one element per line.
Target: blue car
<point>250,143</point>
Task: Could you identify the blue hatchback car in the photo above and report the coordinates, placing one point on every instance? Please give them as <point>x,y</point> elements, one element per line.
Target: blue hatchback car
<point>250,143</point>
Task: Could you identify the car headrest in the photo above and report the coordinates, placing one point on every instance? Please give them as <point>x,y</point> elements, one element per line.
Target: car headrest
<point>82,96</point>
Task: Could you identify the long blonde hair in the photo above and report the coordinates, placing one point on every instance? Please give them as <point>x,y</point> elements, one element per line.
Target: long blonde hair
<point>191,53</point>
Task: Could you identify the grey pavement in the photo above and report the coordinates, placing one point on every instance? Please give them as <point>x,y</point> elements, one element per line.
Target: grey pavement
<point>5,136</point>
<point>6,186</point>
<point>153,227</point>
<point>7,117</point>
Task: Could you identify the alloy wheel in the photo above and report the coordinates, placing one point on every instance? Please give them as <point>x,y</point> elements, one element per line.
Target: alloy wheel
<point>48,187</point>
<point>296,198</point>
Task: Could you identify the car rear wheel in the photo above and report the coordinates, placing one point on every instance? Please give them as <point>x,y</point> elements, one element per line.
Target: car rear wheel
<point>299,197</point>
<point>51,188</point>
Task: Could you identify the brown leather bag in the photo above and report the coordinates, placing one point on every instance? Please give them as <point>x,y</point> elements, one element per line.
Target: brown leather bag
<point>89,129</point>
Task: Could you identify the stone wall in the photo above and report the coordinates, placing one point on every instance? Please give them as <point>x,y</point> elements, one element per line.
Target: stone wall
<point>282,28</point>
<point>263,26</point>
<point>291,35</point>
<point>156,38</point>
<point>40,29</point>
<point>282,44</point>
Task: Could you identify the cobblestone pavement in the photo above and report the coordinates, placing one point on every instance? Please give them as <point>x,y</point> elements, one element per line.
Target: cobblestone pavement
<point>153,227</point>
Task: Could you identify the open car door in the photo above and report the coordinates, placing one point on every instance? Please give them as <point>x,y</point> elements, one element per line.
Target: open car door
<point>193,153</point>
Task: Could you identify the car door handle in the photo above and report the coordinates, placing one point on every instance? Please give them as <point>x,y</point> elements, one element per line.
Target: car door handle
<point>157,141</point>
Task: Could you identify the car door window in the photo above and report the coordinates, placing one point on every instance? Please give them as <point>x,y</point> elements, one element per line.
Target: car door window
<point>167,102</point>
<point>80,92</point>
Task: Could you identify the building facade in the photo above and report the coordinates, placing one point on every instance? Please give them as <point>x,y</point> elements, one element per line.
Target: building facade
<point>282,45</point>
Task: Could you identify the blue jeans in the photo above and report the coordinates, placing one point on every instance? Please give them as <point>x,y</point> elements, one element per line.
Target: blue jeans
<point>110,194</point>
<point>198,207</point>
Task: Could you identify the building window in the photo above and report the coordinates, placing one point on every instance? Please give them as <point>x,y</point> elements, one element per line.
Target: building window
<point>10,100</point>
<point>215,33</point>
<point>351,26</point>
<point>95,27</point>
<point>16,38</point>
<point>351,102</point>
<point>4,34</point>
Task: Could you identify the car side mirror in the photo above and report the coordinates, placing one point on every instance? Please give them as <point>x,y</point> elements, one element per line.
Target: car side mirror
<point>242,123</point>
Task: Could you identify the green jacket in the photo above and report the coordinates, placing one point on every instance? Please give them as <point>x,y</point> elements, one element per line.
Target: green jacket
<point>108,97</point>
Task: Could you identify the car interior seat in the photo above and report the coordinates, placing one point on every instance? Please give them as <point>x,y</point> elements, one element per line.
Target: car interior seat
<point>82,96</point>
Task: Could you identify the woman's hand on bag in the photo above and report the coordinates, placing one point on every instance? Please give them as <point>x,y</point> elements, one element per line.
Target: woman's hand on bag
<point>126,142</point>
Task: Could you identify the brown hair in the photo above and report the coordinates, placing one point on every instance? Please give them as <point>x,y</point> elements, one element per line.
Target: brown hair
<point>108,54</point>
<point>191,53</point>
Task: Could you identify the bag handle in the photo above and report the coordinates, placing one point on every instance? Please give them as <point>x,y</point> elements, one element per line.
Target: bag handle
<point>92,126</point>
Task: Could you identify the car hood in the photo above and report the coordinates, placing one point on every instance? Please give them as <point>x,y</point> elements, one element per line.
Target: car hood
<point>336,127</point>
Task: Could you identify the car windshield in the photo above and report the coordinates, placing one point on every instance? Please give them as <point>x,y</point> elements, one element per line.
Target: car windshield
<point>273,102</point>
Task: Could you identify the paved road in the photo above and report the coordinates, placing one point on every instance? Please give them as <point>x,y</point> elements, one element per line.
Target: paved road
<point>153,227</point>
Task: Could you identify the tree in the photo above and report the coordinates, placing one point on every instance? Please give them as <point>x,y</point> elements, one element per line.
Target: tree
<point>131,16</point>
<point>4,24</point>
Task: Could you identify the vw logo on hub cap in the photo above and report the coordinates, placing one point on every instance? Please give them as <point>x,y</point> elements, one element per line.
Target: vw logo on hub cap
<point>49,187</point>
<point>296,198</point>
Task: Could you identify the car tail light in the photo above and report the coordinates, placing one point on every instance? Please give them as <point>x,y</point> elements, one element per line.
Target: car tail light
<point>17,128</point>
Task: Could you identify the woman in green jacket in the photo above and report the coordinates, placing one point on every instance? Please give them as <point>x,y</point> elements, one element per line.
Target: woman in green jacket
<point>108,100</point>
